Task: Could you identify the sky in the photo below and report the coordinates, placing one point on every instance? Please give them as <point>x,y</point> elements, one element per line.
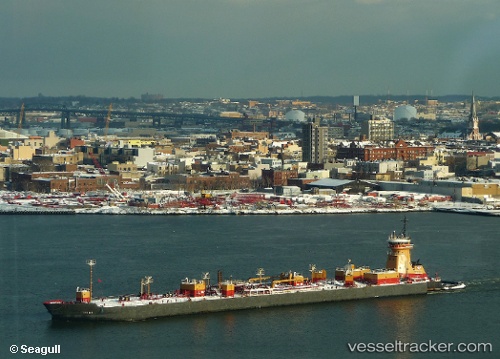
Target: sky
<point>249,48</point>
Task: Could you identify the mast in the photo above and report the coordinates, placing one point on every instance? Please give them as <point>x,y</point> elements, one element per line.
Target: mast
<point>206,279</point>
<point>405,221</point>
<point>91,264</point>
<point>312,269</point>
<point>148,280</point>
<point>260,273</point>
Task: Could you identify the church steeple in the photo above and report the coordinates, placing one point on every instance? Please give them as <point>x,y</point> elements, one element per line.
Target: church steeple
<point>473,124</point>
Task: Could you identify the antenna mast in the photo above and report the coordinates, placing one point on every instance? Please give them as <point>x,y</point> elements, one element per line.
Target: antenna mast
<point>206,278</point>
<point>404,226</point>
<point>312,269</point>
<point>260,273</point>
<point>91,263</point>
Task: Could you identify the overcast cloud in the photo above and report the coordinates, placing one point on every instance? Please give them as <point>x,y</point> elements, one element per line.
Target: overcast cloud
<point>248,48</point>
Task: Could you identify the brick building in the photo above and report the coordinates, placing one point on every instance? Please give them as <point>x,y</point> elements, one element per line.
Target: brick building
<point>206,181</point>
<point>48,182</point>
<point>401,150</point>
<point>272,178</point>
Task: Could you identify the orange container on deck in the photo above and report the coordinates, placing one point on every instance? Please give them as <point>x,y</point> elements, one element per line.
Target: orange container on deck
<point>193,288</point>
<point>82,295</point>
<point>382,277</point>
<point>317,276</point>
<point>227,289</point>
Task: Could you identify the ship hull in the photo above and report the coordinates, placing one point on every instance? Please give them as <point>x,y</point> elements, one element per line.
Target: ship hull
<point>92,311</point>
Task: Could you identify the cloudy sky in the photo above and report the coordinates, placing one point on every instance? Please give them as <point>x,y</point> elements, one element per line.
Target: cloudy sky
<point>249,48</point>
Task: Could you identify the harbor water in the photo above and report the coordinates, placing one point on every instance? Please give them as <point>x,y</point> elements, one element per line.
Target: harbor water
<point>44,257</point>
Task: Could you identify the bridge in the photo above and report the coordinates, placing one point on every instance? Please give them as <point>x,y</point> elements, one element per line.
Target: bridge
<point>175,119</point>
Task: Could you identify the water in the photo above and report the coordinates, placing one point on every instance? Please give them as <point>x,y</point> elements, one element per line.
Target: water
<point>43,257</point>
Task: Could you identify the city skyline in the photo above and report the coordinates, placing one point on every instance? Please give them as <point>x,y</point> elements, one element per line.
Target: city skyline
<point>245,49</point>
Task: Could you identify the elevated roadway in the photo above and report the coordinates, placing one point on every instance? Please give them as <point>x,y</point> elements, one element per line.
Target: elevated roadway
<point>159,118</point>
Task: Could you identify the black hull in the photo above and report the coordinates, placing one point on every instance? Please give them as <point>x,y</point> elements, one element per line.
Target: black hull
<point>94,312</point>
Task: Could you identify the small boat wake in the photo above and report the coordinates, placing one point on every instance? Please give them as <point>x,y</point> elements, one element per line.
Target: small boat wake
<point>474,285</point>
<point>484,285</point>
<point>437,285</point>
<point>450,286</point>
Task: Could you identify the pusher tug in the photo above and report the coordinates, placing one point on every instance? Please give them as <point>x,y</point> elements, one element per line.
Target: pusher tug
<point>400,277</point>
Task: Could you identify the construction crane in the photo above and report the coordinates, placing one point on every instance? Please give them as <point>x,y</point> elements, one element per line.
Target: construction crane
<point>21,115</point>
<point>108,118</point>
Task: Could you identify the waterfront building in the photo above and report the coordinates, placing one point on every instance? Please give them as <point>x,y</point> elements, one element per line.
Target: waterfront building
<point>466,191</point>
<point>342,186</point>
<point>127,171</point>
<point>390,170</point>
<point>49,182</point>
<point>206,181</point>
<point>273,178</point>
